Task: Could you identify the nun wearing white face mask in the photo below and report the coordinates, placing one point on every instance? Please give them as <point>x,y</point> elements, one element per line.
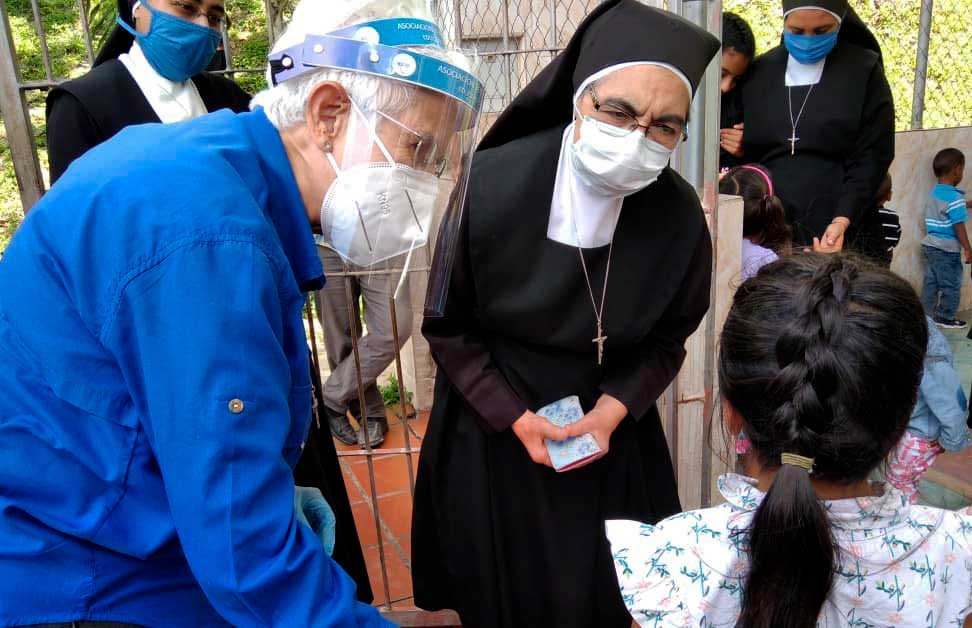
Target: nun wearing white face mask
<point>583,265</point>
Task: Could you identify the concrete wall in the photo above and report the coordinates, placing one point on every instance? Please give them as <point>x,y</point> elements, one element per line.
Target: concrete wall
<point>913,182</point>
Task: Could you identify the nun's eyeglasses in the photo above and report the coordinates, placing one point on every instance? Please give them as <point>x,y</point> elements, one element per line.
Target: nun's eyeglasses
<point>189,11</point>
<point>667,134</point>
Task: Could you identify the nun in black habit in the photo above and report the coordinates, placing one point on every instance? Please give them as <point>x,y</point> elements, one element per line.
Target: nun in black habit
<point>583,265</point>
<point>127,85</point>
<point>819,115</point>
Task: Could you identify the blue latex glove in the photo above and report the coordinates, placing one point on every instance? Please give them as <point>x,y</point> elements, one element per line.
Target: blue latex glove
<point>313,510</point>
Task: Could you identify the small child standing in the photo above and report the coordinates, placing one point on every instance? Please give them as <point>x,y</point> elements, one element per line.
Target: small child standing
<point>946,241</point>
<point>937,423</point>
<point>881,228</point>
<point>766,236</point>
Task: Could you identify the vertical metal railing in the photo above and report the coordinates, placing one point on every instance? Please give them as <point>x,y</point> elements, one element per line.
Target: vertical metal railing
<point>921,64</point>
<point>16,118</point>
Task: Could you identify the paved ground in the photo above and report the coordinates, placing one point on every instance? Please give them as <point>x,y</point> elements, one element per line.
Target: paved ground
<point>393,488</point>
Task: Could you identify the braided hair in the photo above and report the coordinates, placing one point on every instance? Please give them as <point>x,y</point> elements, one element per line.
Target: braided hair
<point>737,35</point>
<point>821,356</point>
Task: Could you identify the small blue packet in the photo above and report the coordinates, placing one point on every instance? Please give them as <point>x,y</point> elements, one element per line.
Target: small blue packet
<point>569,453</point>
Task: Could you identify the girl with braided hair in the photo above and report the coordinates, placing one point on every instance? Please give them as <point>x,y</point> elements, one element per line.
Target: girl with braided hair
<point>820,362</point>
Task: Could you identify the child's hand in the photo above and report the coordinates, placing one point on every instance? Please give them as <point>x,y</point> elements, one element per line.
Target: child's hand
<point>731,140</point>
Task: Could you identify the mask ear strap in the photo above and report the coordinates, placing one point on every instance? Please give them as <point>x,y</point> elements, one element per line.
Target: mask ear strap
<point>371,131</point>
<point>333,163</point>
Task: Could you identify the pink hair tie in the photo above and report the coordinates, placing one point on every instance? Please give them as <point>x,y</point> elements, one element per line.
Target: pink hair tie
<point>766,177</point>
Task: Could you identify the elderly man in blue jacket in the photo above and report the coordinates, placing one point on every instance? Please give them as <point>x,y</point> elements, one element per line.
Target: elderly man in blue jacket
<point>154,388</point>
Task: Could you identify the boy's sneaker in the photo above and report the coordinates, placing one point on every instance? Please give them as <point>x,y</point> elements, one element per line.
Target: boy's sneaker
<point>950,324</point>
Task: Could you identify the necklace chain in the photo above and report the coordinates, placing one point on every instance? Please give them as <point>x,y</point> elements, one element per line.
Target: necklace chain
<point>598,312</point>
<point>793,124</point>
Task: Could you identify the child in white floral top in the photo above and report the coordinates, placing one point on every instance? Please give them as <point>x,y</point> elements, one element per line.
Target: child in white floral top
<point>819,365</point>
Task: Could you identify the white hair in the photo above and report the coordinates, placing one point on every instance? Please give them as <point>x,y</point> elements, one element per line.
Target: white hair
<point>285,103</point>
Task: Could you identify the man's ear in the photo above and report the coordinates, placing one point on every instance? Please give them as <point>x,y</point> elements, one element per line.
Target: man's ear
<point>326,114</point>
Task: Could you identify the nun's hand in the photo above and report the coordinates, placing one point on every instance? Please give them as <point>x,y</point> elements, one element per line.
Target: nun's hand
<point>599,423</point>
<point>833,238</point>
<point>531,429</point>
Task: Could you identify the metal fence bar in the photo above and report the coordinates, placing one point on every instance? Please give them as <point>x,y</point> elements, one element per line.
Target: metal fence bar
<point>921,64</point>
<point>16,119</point>
<point>42,36</point>
<point>402,393</point>
<point>508,61</point>
<point>353,324</point>
<point>227,49</point>
<point>457,9</point>
<point>86,30</point>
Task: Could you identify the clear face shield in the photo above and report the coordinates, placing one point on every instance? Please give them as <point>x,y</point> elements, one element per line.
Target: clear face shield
<point>401,164</point>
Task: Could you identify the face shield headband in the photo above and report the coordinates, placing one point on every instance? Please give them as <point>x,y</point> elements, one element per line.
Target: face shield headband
<point>341,53</point>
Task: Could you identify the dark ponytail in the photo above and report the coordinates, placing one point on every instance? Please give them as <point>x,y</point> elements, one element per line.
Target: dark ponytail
<point>792,556</point>
<point>821,357</point>
<point>764,219</point>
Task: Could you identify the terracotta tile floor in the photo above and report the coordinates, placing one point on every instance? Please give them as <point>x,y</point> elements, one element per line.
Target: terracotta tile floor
<point>394,503</point>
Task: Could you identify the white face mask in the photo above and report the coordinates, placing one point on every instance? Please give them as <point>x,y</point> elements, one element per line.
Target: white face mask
<point>379,210</point>
<point>615,162</point>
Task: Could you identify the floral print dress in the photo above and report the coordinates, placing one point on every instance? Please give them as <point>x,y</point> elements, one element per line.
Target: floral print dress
<point>900,565</point>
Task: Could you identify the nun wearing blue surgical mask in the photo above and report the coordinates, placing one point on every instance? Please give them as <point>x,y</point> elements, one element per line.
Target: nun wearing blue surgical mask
<point>583,265</point>
<point>151,69</point>
<point>819,115</point>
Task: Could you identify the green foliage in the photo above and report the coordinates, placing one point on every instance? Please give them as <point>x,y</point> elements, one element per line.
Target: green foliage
<point>948,102</point>
<point>390,392</point>
<point>69,59</point>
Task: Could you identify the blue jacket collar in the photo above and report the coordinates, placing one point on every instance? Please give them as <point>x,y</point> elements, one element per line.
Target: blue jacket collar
<point>284,206</point>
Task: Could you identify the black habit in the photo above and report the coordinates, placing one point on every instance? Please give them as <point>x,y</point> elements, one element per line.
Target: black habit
<point>89,110</point>
<point>504,541</point>
<point>846,136</point>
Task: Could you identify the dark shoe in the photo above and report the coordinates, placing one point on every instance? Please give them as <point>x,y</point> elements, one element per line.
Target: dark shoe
<point>377,428</point>
<point>950,324</point>
<point>340,426</point>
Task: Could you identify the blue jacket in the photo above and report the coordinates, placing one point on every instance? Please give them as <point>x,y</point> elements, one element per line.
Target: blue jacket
<point>155,393</point>
<point>942,409</point>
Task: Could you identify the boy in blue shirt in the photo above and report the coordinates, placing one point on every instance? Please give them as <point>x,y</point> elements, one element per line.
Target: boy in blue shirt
<point>946,238</point>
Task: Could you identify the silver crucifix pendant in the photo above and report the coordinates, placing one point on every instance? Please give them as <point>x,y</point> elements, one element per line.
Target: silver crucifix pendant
<point>600,340</point>
<point>793,140</point>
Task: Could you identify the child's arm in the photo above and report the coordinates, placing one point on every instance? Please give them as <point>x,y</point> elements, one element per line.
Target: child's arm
<point>963,238</point>
<point>943,393</point>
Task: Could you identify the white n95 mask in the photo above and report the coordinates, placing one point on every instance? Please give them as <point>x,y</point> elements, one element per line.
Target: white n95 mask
<point>375,211</point>
<point>379,210</point>
<point>616,162</point>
